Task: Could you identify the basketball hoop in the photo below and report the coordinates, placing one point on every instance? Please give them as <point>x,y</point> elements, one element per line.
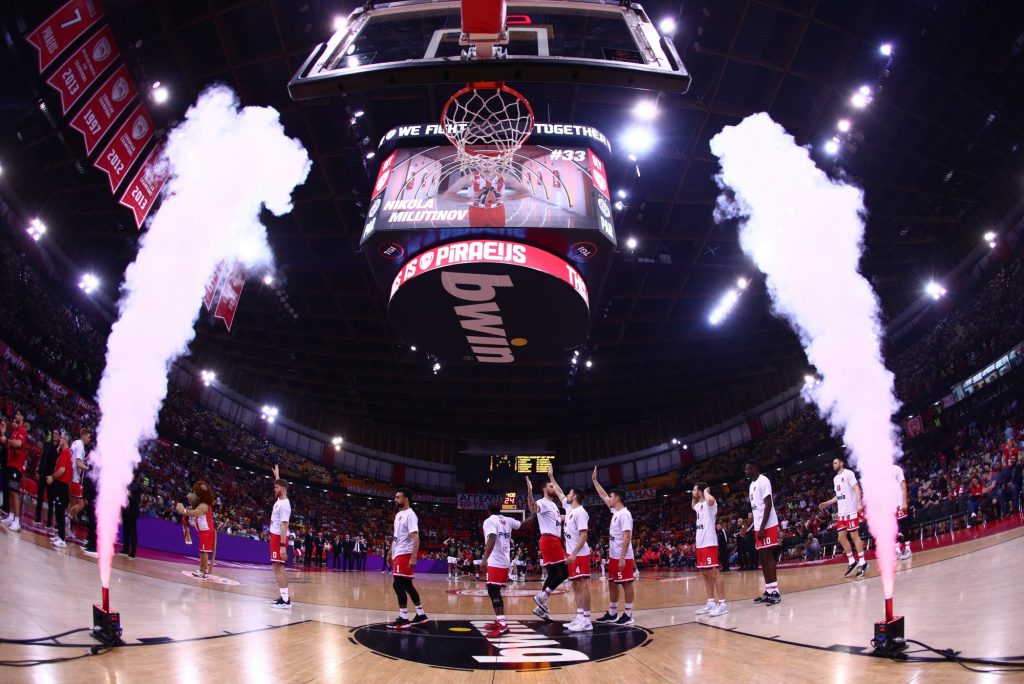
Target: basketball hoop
<point>487,122</point>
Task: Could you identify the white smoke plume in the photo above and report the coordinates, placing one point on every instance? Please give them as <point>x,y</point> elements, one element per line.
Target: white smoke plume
<point>805,232</point>
<point>225,165</point>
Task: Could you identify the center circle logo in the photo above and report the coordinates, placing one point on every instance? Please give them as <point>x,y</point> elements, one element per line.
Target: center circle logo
<point>507,593</point>
<point>463,644</point>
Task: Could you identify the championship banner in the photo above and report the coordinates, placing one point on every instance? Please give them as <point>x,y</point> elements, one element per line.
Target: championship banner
<point>230,293</point>
<point>143,190</point>
<point>106,105</point>
<point>126,147</point>
<point>62,28</point>
<point>213,285</point>
<point>83,68</point>
<point>914,427</point>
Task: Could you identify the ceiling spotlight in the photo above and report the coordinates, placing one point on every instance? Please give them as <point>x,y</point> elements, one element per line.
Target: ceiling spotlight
<point>742,283</point>
<point>573,360</point>
<point>808,379</point>
<point>268,413</point>
<point>667,26</point>
<point>371,155</point>
<point>589,364</point>
<point>859,100</point>
<point>337,443</point>
<point>645,110</point>
<point>935,290</point>
<point>686,446</point>
<point>885,49</point>
<point>843,125</point>
<point>638,139</point>
<point>358,113</point>
<point>576,352</point>
<point>268,279</point>
<point>724,306</point>
<point>160,94</point>
<point>631,243</point>
<point>36,229</point>
<point>436,367</point>
<point>990,236</point>
<point>207,377</point>
<point>340,24</point>
<point>864,90</point>
<point>621,194</point>
<point>89,283</point>
<point>632,157</point>
<point>619,205</point>
<point>412,348</point>
<point>832,146</point>
<point>675,441</point>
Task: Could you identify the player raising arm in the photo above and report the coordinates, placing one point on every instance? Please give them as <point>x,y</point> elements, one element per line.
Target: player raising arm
<point>577,520</point>
<point>621,567</point>
<point>279,518</point>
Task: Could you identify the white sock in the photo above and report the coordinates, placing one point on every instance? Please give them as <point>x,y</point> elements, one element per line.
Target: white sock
<point>850,559</point>
<point>419,610</point>
<point>722,602</point>
<point>284,594</point>
<point>586,615</point>
<point>500,619</point>
<point>579,612</point>
<point>403,613</point>
<point>613,609</point>
<point>863,560</point>
<point>629,610</point>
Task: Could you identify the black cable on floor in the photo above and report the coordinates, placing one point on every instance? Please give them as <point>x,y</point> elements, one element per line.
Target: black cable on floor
<point>997,666</point>
<point>37,640</point>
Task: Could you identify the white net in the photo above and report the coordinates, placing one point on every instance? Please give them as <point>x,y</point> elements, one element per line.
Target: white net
<point>487,123</point>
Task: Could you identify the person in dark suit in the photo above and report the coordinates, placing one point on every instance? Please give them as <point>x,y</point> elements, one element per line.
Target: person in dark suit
<point>336,553</point>
<point>130,519</point>
<point>347,547</point>
<point>358,552</point>
<point>723,546</point>
<point>307,548</point>
<point>46,465</point>
<point>319,543</point>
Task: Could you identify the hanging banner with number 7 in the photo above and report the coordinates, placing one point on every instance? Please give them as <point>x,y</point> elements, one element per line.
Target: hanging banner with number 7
<point>62,28</point>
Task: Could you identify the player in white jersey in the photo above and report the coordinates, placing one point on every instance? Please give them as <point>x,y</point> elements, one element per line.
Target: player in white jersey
<point>766,531</point>
<point>552,555</point>
<point>577,522</point>
<point>899,482</point>
<point>404,554</point>
<point>279,518</point>
<point>848,500</point>
<point>706,508</point>
<point>621,566</point>
<point>496,561</point>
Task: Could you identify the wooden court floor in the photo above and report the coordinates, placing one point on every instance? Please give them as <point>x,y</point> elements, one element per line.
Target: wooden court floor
<point>965,596</point>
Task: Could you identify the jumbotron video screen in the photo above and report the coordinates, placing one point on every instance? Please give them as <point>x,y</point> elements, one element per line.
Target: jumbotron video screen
<point>546,187</point>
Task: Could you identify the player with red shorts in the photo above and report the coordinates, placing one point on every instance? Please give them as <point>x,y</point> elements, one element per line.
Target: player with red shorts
<point>766,535</point>
<point>17,457</point>
<point>279,518</point>
<point>551,552</point>
<point>404,554</point>
<point>706,508</point>
<point>621,564</point>
<point>848,500</point>
<point>495,562</point>
<point>577,522</point>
